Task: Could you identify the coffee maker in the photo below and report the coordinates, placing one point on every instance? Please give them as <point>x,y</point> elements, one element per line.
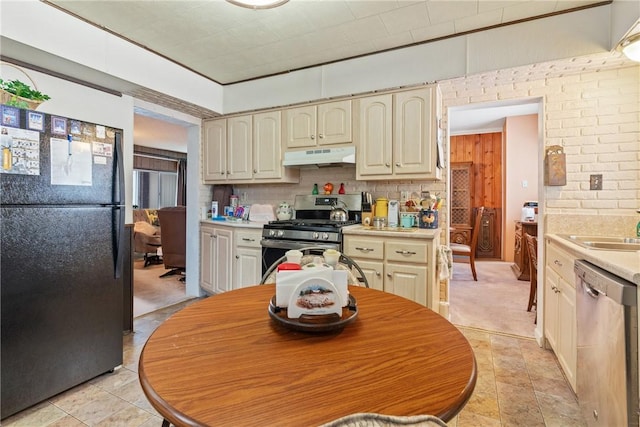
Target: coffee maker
<point>529,212</point>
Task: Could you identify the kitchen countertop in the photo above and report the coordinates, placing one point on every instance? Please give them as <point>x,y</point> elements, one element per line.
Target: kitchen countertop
<point>625,264</point>
<point>235,224</point>
<point>405,233</point>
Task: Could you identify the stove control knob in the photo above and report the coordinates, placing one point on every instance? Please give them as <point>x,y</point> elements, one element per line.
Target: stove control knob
<point>272,233</point>
<point>325,236</point>
<point>280,233</point>
<point>316,235</point>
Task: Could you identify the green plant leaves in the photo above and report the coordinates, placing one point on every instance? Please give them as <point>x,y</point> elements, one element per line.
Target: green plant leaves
<point>23,90</point>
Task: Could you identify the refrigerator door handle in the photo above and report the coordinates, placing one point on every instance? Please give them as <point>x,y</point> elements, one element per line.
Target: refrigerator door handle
<point>119,164</point>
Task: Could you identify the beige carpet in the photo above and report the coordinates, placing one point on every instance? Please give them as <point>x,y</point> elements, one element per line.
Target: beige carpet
<point>497,302</point>
<point>150,292</point>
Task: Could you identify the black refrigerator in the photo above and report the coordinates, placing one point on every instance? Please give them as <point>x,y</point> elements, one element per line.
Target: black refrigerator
<point>61,244</point>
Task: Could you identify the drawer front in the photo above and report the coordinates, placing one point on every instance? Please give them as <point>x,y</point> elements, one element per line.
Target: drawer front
<point>406,251</point>
<point>248,239</point>
<point>561,262</point>
<point>357,247</point>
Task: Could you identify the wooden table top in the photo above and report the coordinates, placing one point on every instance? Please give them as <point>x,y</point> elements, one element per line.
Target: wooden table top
<point>224,361</point>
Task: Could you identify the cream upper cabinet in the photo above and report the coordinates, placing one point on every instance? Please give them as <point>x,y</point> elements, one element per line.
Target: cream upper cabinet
<point>245,149</point>
<point>239,148</point>
<point>318,125</point>
<point>267,145</point>
<point>375,136</point>
<point>215,150</point>
<point>397,135</point>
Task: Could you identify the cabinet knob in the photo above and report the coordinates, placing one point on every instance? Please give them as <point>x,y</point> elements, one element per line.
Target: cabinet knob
<point>221,172</point>
<point>237,257</point>
<point>558,263</point>
<point>397,165</point>
<point>255,171</point>
<point>321,136</point>
<point>389,275</point>
<point>363,249</point>
<point>387,164</point>
<point>378,274</point>
<point>313,137</point>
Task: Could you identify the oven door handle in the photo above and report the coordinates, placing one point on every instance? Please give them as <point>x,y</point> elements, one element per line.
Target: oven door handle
<point>288,244</point>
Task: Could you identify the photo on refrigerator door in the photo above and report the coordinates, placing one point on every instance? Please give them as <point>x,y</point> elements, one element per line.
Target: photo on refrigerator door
<point>19,151</point>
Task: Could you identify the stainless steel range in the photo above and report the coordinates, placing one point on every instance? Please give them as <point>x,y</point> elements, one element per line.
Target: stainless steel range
<point>311,226</point>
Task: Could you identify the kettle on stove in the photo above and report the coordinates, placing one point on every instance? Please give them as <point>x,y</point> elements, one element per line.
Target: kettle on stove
<point>284,211</point>
<point>339,213</point>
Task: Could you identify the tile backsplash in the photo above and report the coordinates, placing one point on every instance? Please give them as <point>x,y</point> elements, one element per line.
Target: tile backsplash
<point>276,193</point>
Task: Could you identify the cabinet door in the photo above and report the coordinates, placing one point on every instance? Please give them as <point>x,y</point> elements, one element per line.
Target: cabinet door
<point>239,148</point>
<point>374,272</point>
<point>215,150</point>
<point>334,123</point>
<point>414,142</point>
<point>551,291</point>
<point>267,145</point>
<point>300,127</point>
<point>221,260</point>
<point>375,135</point>
<point>566,331</point>
<point>206,259</point>
<point>409,281</point>
<point>248,266</point>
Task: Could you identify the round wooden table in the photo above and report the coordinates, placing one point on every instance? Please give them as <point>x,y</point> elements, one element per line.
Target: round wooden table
<point>223,361</point>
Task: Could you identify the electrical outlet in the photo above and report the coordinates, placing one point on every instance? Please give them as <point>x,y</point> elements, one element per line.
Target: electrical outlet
<point>595,182</point>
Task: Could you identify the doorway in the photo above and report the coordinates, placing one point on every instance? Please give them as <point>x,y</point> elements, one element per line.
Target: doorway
<point>492,134</point>
<point>159,172</point>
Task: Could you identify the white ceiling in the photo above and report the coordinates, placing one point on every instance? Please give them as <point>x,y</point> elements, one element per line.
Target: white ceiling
<point>227,43</point>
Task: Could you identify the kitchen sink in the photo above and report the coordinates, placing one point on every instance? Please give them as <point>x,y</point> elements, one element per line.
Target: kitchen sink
<point>604,242</point>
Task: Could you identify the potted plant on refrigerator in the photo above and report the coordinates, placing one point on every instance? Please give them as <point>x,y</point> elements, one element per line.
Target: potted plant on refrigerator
<point>21,95</point>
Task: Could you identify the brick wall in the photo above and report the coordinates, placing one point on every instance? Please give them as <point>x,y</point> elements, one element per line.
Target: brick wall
<point>594,115</point>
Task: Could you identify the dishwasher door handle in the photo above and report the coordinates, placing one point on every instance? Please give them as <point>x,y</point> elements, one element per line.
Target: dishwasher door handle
<point>593,293</point>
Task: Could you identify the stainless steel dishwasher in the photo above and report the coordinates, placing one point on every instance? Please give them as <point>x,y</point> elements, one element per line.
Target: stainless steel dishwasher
<point>607,371</point>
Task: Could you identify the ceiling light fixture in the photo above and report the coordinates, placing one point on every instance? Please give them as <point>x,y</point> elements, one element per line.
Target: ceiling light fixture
<point>631,47</point>
<point>258,4</point>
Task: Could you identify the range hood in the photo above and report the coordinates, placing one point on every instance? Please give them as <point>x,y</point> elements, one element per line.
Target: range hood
<point>319,157</point>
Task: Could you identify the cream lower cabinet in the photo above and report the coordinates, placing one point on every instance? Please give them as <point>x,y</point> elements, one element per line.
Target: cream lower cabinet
<point>247,258</point>
<point>560,308</point>
<point>405,267</point>
<point>216,246</point>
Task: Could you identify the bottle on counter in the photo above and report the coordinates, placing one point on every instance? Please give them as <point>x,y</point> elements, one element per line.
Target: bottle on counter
<point>315,189</point>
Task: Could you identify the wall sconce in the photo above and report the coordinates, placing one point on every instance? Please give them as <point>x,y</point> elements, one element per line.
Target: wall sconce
<point>258,4</point>
<point>631,47</point>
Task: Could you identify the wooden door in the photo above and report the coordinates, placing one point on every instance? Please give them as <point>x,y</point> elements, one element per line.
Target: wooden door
<point>484,151</point>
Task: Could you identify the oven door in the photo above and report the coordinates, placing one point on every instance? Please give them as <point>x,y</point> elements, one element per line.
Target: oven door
<point>274,249</point>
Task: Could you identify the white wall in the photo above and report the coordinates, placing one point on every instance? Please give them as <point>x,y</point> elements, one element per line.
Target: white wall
<point>43,27</point>
<point>521,173</point>
<point>563,36</point>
